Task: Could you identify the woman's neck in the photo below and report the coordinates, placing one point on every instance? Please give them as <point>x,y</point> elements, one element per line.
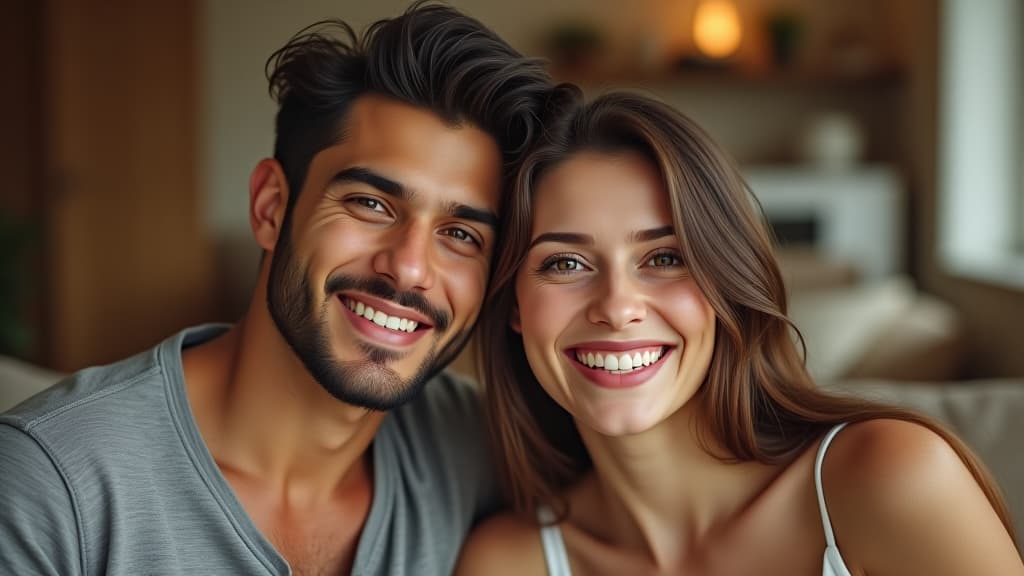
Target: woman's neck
<point>662,493</point>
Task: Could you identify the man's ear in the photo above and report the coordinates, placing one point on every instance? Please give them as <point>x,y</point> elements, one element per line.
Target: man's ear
<point>513,321</point>
<point>268,200</point>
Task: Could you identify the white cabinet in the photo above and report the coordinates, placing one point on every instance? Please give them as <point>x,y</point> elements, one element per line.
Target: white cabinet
<point>856,215</point>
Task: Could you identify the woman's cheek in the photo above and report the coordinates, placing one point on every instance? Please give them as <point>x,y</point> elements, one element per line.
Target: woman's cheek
<point>686,307</point>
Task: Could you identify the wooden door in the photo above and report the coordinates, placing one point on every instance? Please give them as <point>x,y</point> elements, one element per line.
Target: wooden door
<point>128,257</point>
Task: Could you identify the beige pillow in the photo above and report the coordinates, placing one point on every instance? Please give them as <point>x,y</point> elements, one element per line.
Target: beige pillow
<point>841,325</point>
<point>19,380</point>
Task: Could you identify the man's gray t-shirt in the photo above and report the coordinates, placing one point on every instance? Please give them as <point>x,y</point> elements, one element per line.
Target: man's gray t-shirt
<point>106,473</point>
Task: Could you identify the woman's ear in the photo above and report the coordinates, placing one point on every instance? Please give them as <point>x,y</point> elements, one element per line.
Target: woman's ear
<point>513,321</point>
<point>268,200</point>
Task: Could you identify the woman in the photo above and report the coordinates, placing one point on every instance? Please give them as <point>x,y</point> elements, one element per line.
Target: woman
<point>650,408</point>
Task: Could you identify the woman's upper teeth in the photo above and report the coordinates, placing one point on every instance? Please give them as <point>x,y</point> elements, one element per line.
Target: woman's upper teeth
<point>380,318</point>
<point>619,361</point>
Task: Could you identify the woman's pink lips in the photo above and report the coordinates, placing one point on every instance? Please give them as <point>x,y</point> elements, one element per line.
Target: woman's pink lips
<point>618,345</point>
<point>605,379</point>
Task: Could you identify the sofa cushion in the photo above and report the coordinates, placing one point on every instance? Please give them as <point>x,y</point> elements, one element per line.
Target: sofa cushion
<point>986,414</point>
<point>883,329</point>
<point>19,380</point>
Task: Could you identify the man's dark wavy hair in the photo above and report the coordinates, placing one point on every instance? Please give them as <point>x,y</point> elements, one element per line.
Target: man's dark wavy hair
<point>432,57</point>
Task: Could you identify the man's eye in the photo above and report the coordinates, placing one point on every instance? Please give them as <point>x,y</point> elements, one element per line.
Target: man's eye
<point>370,203</point>
<point>461,235</point>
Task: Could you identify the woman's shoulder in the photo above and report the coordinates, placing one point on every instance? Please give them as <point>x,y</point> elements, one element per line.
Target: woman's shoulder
<point>889,459</point>
<point>899,494</point>
<point>868,447</point>
<point>503,544</point>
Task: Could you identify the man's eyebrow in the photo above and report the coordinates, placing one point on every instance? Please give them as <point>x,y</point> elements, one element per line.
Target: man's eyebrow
<point>467,212</point>
<point>371,178</point>
<point>563,238</point>
<point>652,234</point>
<point>393,188</point>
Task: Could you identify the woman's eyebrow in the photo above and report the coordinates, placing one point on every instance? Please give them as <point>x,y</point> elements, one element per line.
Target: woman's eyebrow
<point>575,238</point>
<point>563,238</point>
<point>652,234</point>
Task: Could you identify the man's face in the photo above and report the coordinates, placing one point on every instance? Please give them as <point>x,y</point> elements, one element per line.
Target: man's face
<point>380,269</point>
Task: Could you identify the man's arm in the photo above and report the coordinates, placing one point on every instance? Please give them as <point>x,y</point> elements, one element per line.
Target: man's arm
<point>38,528</point>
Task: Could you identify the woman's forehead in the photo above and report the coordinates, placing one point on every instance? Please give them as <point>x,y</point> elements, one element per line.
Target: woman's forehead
<point>599,191</point>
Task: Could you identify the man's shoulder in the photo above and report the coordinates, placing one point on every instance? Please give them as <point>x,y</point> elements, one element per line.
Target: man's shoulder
<point>446,415</point>
<point>93,392</point>
<point>446,396</point>
<point>435,443</point>
<point>84,390</point>
<point>452,382</point>
<point>55,445</point>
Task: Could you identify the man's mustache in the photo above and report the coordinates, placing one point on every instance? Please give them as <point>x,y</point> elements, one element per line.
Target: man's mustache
<point>381,289</point>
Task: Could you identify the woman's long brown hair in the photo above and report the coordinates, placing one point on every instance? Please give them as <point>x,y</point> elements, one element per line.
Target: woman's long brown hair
<point>757,399</point>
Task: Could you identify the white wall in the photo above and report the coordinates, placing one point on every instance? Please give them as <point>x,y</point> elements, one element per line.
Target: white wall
<point>238,35</point>
<point>237,114</point>
<point>755,123</point>
<point>981,145</point>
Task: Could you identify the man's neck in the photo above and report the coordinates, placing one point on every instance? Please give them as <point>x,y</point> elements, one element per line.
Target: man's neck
<point>264,418</point>
<point>296,457</point>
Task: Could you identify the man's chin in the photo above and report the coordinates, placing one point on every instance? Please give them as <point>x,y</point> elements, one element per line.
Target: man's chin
<point>385,357</point>
<point>369,384</point>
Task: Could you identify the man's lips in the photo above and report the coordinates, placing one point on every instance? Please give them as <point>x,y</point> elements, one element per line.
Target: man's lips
<point>382,329</point>
<point>385,313</point>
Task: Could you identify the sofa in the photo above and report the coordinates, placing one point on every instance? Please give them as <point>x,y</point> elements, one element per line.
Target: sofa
<point>19,380</point>
<point>987,414</point>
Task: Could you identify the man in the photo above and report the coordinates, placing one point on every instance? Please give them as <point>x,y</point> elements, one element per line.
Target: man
<point>314,436</point>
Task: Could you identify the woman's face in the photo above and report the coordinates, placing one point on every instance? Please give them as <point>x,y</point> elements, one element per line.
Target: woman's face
<point>614,326</point>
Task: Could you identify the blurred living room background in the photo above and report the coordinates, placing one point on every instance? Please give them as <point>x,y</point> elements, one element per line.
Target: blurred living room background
<point>883,139</point>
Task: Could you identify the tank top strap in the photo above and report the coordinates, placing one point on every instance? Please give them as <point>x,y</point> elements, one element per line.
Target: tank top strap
<point>555,555</point>
<point>830,538</point>
<point>834,565</point>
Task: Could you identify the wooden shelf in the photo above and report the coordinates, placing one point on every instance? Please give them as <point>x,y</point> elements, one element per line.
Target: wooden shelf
<point>734,79</point>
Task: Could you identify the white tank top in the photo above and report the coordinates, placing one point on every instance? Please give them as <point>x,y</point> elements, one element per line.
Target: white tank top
<point>558,560</point>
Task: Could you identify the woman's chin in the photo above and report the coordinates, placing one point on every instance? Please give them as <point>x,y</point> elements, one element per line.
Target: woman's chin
<point>619,421</point>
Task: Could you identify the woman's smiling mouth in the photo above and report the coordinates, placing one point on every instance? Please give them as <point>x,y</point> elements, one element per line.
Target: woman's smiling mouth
<point>619,364</point>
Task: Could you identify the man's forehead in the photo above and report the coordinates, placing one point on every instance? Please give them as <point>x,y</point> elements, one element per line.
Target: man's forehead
<point>418,151</point>
<point>376,117</point>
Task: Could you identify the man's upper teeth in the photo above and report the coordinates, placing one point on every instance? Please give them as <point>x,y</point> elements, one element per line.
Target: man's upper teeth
<point>619,361</point>
<point>380,318</point>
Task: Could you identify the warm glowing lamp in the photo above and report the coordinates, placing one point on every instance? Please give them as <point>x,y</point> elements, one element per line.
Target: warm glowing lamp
<point>716,28</point>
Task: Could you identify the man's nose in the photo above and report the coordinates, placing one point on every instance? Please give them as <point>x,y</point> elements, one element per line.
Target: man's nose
<point>406,258</point>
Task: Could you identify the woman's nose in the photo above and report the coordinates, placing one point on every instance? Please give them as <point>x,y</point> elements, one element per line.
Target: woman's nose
<point>617,303</point>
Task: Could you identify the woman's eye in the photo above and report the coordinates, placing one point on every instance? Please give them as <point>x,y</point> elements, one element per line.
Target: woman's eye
<point>563,265</point>
<point>664,260</point>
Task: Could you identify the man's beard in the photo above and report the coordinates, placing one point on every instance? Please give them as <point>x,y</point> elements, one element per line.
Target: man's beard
<point>366,382</point>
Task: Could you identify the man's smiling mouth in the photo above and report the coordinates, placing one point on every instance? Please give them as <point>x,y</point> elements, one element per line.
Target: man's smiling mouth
<point>396,323</point>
